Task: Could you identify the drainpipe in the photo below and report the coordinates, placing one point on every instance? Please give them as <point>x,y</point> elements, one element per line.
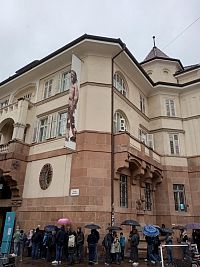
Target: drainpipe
<point>112,139</point>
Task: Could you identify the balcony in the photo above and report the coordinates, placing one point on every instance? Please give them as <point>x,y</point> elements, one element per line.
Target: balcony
<point>15,110</point>
<point>15,147</point>
<point>124,142</point>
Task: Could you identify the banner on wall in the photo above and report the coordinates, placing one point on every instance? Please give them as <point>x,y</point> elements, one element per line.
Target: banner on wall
<point>8,232</point>
<point>73,100</point>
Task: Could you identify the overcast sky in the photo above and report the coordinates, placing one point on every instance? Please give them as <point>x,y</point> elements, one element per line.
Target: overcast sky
<point>32,29</point>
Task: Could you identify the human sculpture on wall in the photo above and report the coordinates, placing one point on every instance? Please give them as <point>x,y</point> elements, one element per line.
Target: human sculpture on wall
<point>140,204</point>
<point>72,105</point>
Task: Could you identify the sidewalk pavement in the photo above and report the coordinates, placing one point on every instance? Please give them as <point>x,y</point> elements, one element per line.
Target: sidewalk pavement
<point>28,262</point>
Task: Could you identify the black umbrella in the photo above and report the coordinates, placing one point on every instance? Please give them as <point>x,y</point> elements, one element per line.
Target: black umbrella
<point>114,228</point>
<point>179,227</point>
<point>130,222</point>
<point>92,226</point>
<point>50,228</point>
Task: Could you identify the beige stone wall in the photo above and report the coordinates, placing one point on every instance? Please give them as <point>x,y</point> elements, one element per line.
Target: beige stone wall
<point>161,70</point>
<point>59,186</point>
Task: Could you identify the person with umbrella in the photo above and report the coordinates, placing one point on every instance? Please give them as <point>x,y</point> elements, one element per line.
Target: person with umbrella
<point>134,242</point>
<point>94,227</point>
<point>92,241</point>
<point>151,233</point>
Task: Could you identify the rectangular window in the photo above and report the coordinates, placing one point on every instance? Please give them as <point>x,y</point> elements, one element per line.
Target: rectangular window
<point>62,123</point>
<point>66,81</point>
<point>170,107</point>
<point>43,129</point>
<point>142,103</point>
<point>48,88</point>
<point>179,197</point>
<point>123,191</point>
<point>174,144</point>
<point>148,196</point>
<point>146,138</point>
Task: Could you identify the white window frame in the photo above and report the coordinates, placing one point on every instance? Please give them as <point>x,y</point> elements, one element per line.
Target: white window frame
<point>119,122</point>
<point>42,135</point>
<point>65,81</point>
<point>142,103</point>
<point>147,139</point>
<point>179,197</point>
<point>123,191</point>
<point>48,88</point>
<point>170,107</point>
<point>174,144</point>
<point>120,84</point>
<point>61,124</point>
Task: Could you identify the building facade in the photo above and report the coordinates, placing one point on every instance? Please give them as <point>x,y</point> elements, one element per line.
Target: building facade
<point>136,151</point>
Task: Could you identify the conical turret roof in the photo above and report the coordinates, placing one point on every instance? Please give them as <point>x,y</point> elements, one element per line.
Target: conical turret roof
<point>155,53</point>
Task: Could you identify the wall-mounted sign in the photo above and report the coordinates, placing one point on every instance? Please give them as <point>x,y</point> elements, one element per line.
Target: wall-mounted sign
<point>74,192</point>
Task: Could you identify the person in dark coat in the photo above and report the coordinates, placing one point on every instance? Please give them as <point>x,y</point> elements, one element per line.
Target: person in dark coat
<point>96,245</point>
<point>80,244</point>
<point>36,243</point>
<point>92,241</point>
<point>72,244</point>
<point>134,242</point>
<point>107,242</point>
<point>60,241</point>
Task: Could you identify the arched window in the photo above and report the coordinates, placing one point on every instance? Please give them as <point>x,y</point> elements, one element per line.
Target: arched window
<point>120,123</point>
<point>120,84</point>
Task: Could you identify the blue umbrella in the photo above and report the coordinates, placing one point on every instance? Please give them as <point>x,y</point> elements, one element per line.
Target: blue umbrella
<point>193,226</point>
<point>150,230</point>
<point>50,228</point>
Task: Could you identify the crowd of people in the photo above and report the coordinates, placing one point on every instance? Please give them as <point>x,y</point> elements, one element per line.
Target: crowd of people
<point>60,243</point>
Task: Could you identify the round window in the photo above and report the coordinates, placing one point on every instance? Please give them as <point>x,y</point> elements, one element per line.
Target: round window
<point>46,174</point>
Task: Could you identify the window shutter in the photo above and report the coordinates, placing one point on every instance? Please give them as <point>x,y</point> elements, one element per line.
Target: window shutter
<point>35,131</point>
<point>167,107</point>
<point>54,125</point>
<point>150,140</point>
<point>172,106</point>
<point>58,86</point>
<point>49,124</point>
<point>176,143</point>
<point>171,142</point>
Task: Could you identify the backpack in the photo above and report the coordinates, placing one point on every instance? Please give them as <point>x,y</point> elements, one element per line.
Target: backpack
<point>22,238</point>
<point>49,241</point>
<point>135,240</point>
<point>71,241</point>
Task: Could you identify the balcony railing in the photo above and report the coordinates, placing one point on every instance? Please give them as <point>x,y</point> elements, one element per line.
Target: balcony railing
<point>15,146</point>
<point>125,141</point>
<point>4,148</point>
